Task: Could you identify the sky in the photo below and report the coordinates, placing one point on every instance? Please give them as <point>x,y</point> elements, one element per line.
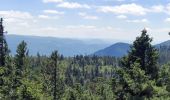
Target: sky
<point>110,20</point>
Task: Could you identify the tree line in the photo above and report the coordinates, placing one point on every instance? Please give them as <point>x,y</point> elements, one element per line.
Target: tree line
<point>136,76</point>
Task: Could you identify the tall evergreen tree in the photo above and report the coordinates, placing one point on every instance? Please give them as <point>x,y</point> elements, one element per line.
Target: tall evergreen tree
<point>2,57</point>
<point>22,52</point>
<point>57,83</point>
<point>5,64</point>
<point>54,57</point>
<point>143,52</point>
<point>138,70</point>
<point>20,57</point>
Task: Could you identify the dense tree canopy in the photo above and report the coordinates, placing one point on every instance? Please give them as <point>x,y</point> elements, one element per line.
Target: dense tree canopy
<point>137,76</point>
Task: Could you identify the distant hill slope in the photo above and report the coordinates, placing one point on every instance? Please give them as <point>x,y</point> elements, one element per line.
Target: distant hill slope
<point>117,50</point>
<point>45,45</point>
<point>166,43</point>
<point>120,49</point>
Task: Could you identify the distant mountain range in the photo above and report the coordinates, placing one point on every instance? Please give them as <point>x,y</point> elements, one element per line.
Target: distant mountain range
<point>121,49</point>
<point>45,45</point>
<point>70,47</point>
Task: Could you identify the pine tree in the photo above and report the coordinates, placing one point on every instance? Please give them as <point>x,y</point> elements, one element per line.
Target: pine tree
<point>22,52</point>
<point>143,52</point>
<point>20,57</point>
<point>54,57</point>
<point>4,51</point>
<point>2,54</point>
<point>5,65</point>
<point>57,82</point>
<point>138,70</point>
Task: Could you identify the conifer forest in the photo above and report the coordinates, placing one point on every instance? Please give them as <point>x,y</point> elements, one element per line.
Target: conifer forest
<point>142,74</point>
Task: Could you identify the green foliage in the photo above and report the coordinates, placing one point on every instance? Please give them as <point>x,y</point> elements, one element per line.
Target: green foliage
<point>55,77</point>
<point>143,52</point>
<point>136,78</point>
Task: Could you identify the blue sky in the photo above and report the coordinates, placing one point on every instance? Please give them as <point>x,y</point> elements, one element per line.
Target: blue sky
<point>111,20</point>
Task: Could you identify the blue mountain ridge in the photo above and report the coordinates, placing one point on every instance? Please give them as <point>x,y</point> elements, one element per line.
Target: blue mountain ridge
<point>117,50</point>
<point>71,47</point>
<point>120,49</point>
<point>65,46</point>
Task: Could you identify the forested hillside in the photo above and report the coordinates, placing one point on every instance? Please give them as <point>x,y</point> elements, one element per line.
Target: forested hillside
<point>117,50</point>
<point>137,76</point>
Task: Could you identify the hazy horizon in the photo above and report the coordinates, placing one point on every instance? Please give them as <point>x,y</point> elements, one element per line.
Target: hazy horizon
<point>92,40</point>
<point>107,20</point>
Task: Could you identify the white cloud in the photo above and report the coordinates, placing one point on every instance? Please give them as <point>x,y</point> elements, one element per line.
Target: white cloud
<point>53,12</point>
<point>86,16</point>
<point>138,21</point>
<point>16,18</point>
<point>160,9</point>
<point>16,14</point>
<point>81,26</point>
<point>157,8</point>
<point>167,20</point>
<point>73,5</point>
<point>16,21</point>
<point>132,9</point>
<point>52,1</point>
<point>44,16</point>
<point>121,17</point>
<point>47,17</point>
<point>135,9</point>
<point>25,21</point>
